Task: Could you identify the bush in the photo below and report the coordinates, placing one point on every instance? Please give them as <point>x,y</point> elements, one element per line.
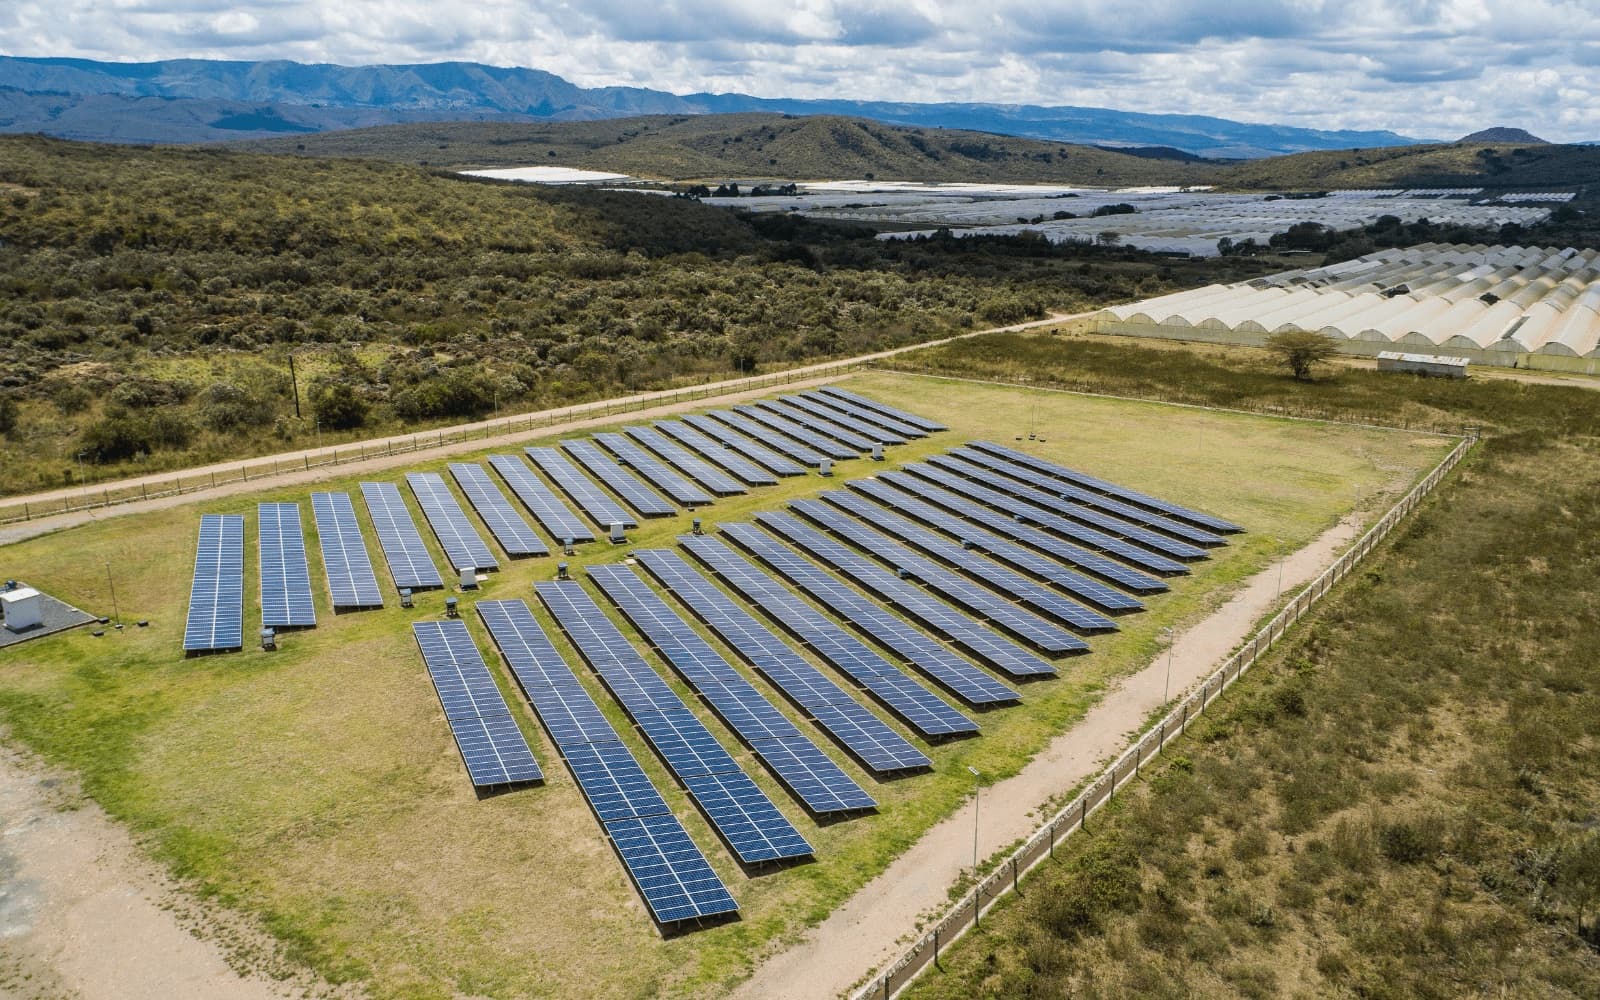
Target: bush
<point>225,407</point>
<point>337,405</point>
<point>8,414</point>
<point>122,434</point>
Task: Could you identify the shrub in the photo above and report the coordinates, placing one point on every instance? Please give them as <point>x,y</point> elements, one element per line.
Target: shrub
<point>226,407</point>
<point>337,405</point>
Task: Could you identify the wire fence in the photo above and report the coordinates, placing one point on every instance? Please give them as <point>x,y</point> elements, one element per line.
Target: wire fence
<point>967,912</point>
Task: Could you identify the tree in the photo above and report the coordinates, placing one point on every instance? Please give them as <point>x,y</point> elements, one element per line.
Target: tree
<point>1299,350</point>
<point>338,406</point>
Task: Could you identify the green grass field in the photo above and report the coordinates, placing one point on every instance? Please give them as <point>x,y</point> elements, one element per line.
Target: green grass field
<point>317,787</point>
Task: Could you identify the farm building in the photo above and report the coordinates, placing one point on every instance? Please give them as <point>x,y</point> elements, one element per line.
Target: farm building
<point>1422,364</point>
<point>1529,307</point>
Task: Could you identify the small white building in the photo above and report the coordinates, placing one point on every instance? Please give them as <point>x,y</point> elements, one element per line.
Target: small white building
<point>1422,364</point>
<point>22,609</point>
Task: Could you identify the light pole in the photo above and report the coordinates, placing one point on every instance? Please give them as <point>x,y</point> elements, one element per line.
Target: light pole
<point>83,481</point>
<point>977,791</point>
<point>1280,571</point>
<point>1171,642</point>
<point>117,612</point>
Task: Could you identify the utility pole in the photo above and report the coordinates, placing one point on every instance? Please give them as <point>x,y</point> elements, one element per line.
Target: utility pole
<point>115,611</point>
<point>1172,640</point>
<point>977,791</point>
<point>294,380</point>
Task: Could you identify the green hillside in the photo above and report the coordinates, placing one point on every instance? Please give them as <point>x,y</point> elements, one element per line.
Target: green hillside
<point>1492,165</point>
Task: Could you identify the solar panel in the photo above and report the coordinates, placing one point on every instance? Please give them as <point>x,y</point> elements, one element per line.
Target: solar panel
<point>514,534</point>
<point>591,499</point>
<point>562,704</point>
<point>1112,489</point>
<point>216,595</point>
<point>918,707</point>
<point>877,407</point>
<point>977,640</point>
<point>492,746</point>
<point>730,445</point>
<point>674,878</point>
<point>802,453</point>
<point>840,426</point>
<point>351,580</point>
<point>765,415</point>
<point>747,820</point>
<point>806,771</point>
<point>742,468</point>
<point>540,500</point>
<point>409,563</point>
<point>1083,514</point>
<point>698,469</point>
<point>973,512</point>
<point>864,735</point>
<point>285,578</point>
<point>633,492</point>
<point>1029,513</point>
<point>883,626</point>
<point>462,544</point>
<point>830,405</point>
<point>1024,625</point>
<point>655,471</point>
<point>1012,473</point>
<point>896,491</point>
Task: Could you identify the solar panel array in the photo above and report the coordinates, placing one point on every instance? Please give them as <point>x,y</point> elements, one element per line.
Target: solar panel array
<point>740,445</point>
<point>868,738</point>
<point>739,810</point>
<point>698,469</point>
<point>626,485</point>
<point>883,626</point>
<point>285,577</point>
<point>514,534</point>
<point>216,595</point>
<point>816,415</point>
<point>540,500</point>
<point>591,499</point>
<point>800,417</point>
<point>712,450</point>
<point>351,580</point>
<point>462,544</point>
<point>804,769</point>
<point>796,450</point>
<point>874,406</point>
<point>918,707</point>
<point>656,472</point>
<point>403,549</point>
<point>820,443</point>
<point>491,745</point>
<point>830,406</point>
<point>672,874</point>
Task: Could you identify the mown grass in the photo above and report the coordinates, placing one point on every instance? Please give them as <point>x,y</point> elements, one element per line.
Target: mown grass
<point>316,788</point>
<point>1400,801</point>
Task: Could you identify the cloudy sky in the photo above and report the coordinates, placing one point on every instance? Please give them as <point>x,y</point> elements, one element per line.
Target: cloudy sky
<point>1427,68</point>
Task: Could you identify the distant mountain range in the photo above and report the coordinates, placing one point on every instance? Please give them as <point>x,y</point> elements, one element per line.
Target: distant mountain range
<point>196,100</point>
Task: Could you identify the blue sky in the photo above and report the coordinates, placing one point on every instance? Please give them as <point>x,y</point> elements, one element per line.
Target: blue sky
<point>1429,68</point>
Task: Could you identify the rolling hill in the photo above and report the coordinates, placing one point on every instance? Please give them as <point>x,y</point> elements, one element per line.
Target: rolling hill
<point>1493,165</point>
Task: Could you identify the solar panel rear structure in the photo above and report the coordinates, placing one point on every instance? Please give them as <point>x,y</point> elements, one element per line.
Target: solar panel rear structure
<point>285,577</point>
<point>869,739</point>
<point>541,501</point>
<point>735,443</point>
<point>623,483</point>
<point>351,580</point>
<point>852,439</point>
<point>216,593</point>
<point>591,499</point>
<point>462,544</point>
<point>835,423</point>
<point>747,820</point>
<point>809,774</point>
<point>514,534</point>
<point>918,707</point>
<point>492,746</point>
<point>820,443</point>
<point>409,563</point>
<point>838,409</point>
<point>670,871</point>
<point>653,470</point>
<point>700,470</point>
<point>796,450</point>
<point>1122,493</point>
<point>876,407</point>
<point>976,639</point>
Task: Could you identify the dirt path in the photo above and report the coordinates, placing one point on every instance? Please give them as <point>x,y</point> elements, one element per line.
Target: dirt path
<point>869,929</point>
<point>84,915</point>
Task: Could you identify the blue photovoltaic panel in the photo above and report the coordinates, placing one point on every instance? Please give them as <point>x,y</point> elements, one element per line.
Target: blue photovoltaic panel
<point>540,500</point>
<point>922,651</point>
<point>698,469</point>
<point>216,596</point>
<point>1014,474</point>
<point>980,566</point>
<point>403,549</point>
<point>1028,513</point>
<point>744,816</point>
<point>649,467</point>
<point>805,770</point>
<point>1025,625</point>
<point>802,453</point>
<point>736,444</point>
<point>626,485</point>
<point>713,450</point>
<point>351,580</point>
<point>1001,524</point>
<point>837,424</point>
<point>674,878</point>
<point>911,600</point>
<point>898,491</point>
<point>768,416</point>
<point>569,715</point>
<point>462,544</point>
<point>803,417</point>
<point>285,577</point>
<point>918,707</point>
<point>867,737</point>
<point>491,744</point>
<point>514,534</point>
<point>877,407</point>
<point>1112,489</point>
<point>592,499</point>
<point>835,408</point>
